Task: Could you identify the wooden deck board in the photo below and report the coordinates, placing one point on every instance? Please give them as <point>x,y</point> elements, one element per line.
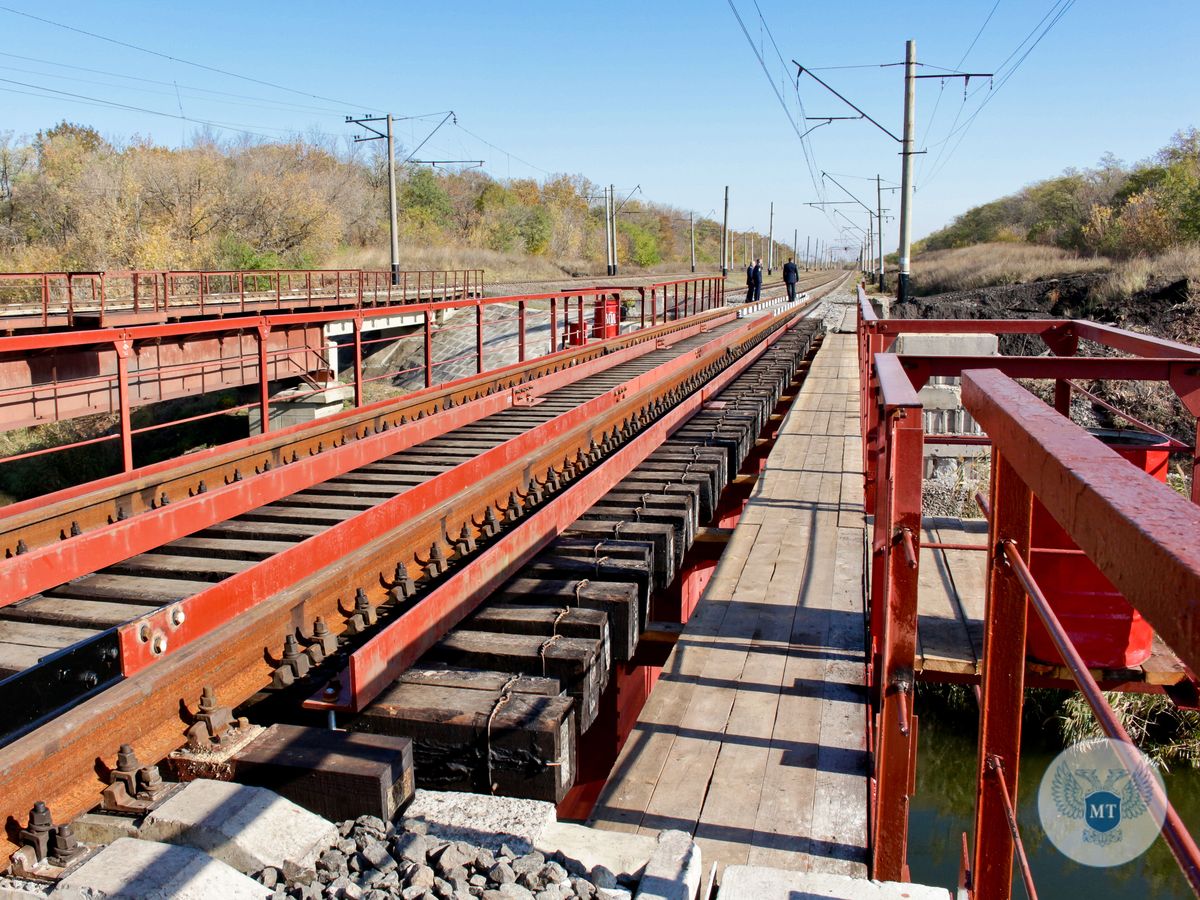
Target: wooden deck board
<point>754,737</point>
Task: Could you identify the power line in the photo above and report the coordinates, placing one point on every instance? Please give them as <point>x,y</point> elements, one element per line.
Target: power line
<point>188,87</point>
<point>114,104</point>
<point>965,127</point>
<point>975,39</point>
<point>778,96</point>
<point>501,150</point>
<point>188,62</point>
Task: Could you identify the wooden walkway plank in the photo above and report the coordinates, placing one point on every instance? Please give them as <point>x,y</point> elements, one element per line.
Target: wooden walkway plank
<point>753,740</point>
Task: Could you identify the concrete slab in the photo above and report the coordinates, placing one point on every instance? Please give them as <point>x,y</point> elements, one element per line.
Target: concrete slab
<point>130,869</point>
<point>625,855</point>
<point>247,827</point>
<point>674,869</point>
<point>482,820</point>
<point>948,344</point>
<point>762,883</point>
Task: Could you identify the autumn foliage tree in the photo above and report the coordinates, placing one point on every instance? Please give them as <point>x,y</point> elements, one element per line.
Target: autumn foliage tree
<point>72,199</point>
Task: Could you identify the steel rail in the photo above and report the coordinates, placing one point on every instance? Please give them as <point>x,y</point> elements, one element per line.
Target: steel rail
<point>56,563</point>
<point>417,518</point>
<point>397,646</point>
<point>58,762</point>
<point>45,520</point>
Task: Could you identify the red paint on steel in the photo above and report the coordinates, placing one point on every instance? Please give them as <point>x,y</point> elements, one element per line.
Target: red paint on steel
<point>895,572</point>
<point>400,644</point>
<point>1138,532</point>
<point>1182,845</point>
<point>1002,678</point>
<point>225,599</point>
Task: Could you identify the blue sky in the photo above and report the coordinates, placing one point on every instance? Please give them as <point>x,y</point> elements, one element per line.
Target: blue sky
<point>666,95</point>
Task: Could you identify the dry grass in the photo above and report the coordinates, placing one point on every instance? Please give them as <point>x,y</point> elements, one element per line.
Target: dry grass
<point>986,265</point>
<point>1134,275</point>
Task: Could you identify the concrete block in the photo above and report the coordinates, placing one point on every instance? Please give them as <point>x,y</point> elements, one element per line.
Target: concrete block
<point>948,344</point>
<point>624,854</point>
<point>247,827</point>
<point>762,883</point>
<point>940,396</point>
<point>104,828</point>
<point>12,888</point>
<point>482,820</point>
<point>130,869</point>
<point>673,871</point>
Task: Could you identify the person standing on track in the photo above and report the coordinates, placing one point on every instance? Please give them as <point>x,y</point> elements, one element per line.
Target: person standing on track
<point>754,281</point>
<point>749,283</point>
<point>790,276</point>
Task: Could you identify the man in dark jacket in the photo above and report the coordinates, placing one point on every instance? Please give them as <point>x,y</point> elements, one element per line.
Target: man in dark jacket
<point>749,283</point>
<point>790,276</point>
<point>754,282</point>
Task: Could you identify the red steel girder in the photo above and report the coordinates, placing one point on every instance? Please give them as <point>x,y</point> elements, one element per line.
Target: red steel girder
<point>60,762</point>
<point>47,519</point>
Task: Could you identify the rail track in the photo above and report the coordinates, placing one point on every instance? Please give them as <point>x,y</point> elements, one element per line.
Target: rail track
<point>325,564</point>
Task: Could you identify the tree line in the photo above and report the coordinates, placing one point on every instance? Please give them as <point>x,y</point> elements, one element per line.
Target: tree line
<point>1114,210</point>
<point>71,199</point>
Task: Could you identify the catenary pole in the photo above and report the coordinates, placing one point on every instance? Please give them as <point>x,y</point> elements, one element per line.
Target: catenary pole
<point>879,208</point>
<point>906,180</point>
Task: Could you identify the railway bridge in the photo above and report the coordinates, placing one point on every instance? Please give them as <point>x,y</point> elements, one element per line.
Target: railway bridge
<point>654,561</point>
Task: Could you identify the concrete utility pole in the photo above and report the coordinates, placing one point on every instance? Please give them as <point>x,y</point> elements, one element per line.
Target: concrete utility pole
<point>906,181</point>
<point>879,213</point>
<point>795,244</point>
<point>692,229</point>
<point>376,134</point>
<point>771,239</point>
<point>608,264</point>
<point>807,251</point>
<point>391,155</point>
<point>725,244</point>
<point>612,192</point>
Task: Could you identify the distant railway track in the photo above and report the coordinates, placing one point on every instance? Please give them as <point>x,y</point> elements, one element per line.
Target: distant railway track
<point>347,551</point>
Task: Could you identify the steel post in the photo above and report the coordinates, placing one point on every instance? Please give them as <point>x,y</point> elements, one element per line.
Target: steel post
<point>358,363</point>
<point>895,760</point>
<point>123,349</point>
<point>1002,683</point>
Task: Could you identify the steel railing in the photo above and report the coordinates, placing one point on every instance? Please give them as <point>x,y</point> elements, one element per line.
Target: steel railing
<point>1142,535</point>
<point>561,319</point>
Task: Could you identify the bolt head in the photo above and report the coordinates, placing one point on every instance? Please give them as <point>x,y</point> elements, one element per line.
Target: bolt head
<point>158,646</point>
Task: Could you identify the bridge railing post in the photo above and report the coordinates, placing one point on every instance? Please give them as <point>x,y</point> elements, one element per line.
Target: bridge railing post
<point>899,510</point>
<point>478,334</point>
<point>428,348</point>
<point>895,561</point>
<point>124,348</point>
<point>1002,683</point>
<point>358,362</point>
